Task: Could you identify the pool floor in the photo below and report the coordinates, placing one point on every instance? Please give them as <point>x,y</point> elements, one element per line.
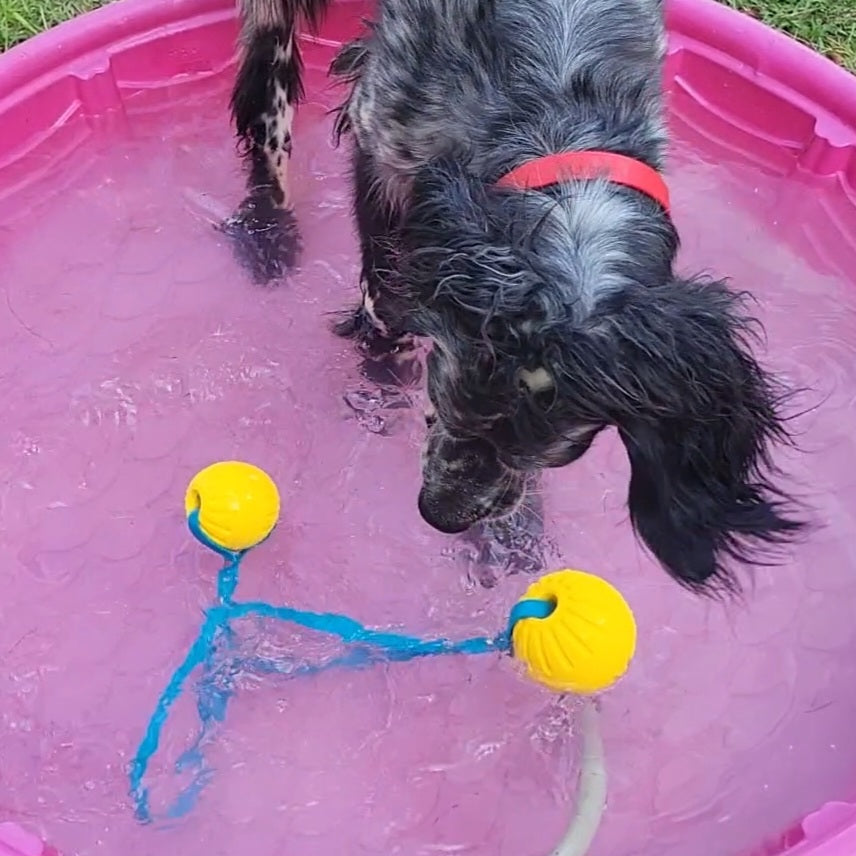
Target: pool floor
<point>135,352</point>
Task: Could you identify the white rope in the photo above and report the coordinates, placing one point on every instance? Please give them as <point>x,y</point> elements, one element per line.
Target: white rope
<point>591,791</point>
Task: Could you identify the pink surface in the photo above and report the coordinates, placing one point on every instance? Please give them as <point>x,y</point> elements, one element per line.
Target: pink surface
<point>134,352</point>
<point>16,841</point>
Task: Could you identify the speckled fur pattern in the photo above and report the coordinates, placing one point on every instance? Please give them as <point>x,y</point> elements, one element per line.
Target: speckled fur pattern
<point>266,93</point>
<point>553,314</point>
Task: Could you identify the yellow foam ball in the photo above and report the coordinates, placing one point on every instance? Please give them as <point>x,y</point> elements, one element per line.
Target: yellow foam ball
<point>238,504</point>
<point>586,643</point>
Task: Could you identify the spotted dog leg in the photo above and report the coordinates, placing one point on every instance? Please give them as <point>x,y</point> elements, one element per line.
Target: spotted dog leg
<point>267,90</point>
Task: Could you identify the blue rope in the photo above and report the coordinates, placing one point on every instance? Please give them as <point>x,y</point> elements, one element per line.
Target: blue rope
<point>216,685</point>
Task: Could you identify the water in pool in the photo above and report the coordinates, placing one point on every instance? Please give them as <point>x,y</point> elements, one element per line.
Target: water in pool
<point>135,352</point>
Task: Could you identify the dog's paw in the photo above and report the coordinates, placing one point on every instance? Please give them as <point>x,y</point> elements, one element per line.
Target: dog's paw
<point>265,239</point>
<point>386,360</point>
<point>354,324</point>
<point>399,368</point>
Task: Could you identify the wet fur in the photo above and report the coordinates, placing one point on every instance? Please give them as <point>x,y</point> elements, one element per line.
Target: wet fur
<point>267,90</point>
<point>553,314</point>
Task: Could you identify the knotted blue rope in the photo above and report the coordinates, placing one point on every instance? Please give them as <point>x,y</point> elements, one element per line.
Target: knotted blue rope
<point>216,684</point>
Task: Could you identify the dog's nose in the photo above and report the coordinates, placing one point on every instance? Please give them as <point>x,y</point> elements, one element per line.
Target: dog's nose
<point>433,514</point>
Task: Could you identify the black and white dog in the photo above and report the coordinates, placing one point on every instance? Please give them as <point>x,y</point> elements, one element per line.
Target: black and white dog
<point>507,158</point>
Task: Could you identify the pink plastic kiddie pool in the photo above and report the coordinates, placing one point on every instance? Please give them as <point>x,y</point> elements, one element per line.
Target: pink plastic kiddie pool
<point>133,352</point>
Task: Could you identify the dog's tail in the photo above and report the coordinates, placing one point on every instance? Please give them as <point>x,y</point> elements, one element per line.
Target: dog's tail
<point>267,90</point>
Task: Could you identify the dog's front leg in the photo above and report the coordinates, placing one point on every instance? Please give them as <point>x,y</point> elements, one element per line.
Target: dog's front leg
<point>380,322</point>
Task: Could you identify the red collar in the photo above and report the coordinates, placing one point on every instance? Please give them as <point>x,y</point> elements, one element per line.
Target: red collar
<point>565,166</point>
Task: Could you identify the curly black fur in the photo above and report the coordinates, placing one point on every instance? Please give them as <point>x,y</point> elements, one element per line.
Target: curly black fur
<point>665,359</point>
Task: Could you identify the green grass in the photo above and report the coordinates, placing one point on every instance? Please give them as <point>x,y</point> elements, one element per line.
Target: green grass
<point>20,19</point>
<point>827,25</point>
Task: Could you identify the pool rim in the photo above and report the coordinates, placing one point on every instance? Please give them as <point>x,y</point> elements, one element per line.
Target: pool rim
<point>82,47</point>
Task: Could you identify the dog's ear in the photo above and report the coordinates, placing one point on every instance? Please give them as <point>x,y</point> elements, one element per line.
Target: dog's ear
<point>702,418</point>
<point>458,253</point>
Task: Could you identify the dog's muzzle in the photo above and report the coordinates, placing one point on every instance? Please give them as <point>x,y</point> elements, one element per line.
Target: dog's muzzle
<point>464,482</point>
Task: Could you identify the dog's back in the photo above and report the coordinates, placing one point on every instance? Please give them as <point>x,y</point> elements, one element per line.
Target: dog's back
<point>486,82</point>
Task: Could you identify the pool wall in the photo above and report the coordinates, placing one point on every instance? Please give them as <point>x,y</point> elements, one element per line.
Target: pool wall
<point>781,106</point>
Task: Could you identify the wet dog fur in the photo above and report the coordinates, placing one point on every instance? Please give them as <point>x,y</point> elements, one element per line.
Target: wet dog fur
<point>552,314</point>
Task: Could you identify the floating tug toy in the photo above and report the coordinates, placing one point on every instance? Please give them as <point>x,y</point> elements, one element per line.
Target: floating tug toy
<point>572,631</point>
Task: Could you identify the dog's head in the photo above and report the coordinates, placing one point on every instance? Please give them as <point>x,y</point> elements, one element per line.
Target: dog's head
<point>491,423</point>
<point>553,319</point>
